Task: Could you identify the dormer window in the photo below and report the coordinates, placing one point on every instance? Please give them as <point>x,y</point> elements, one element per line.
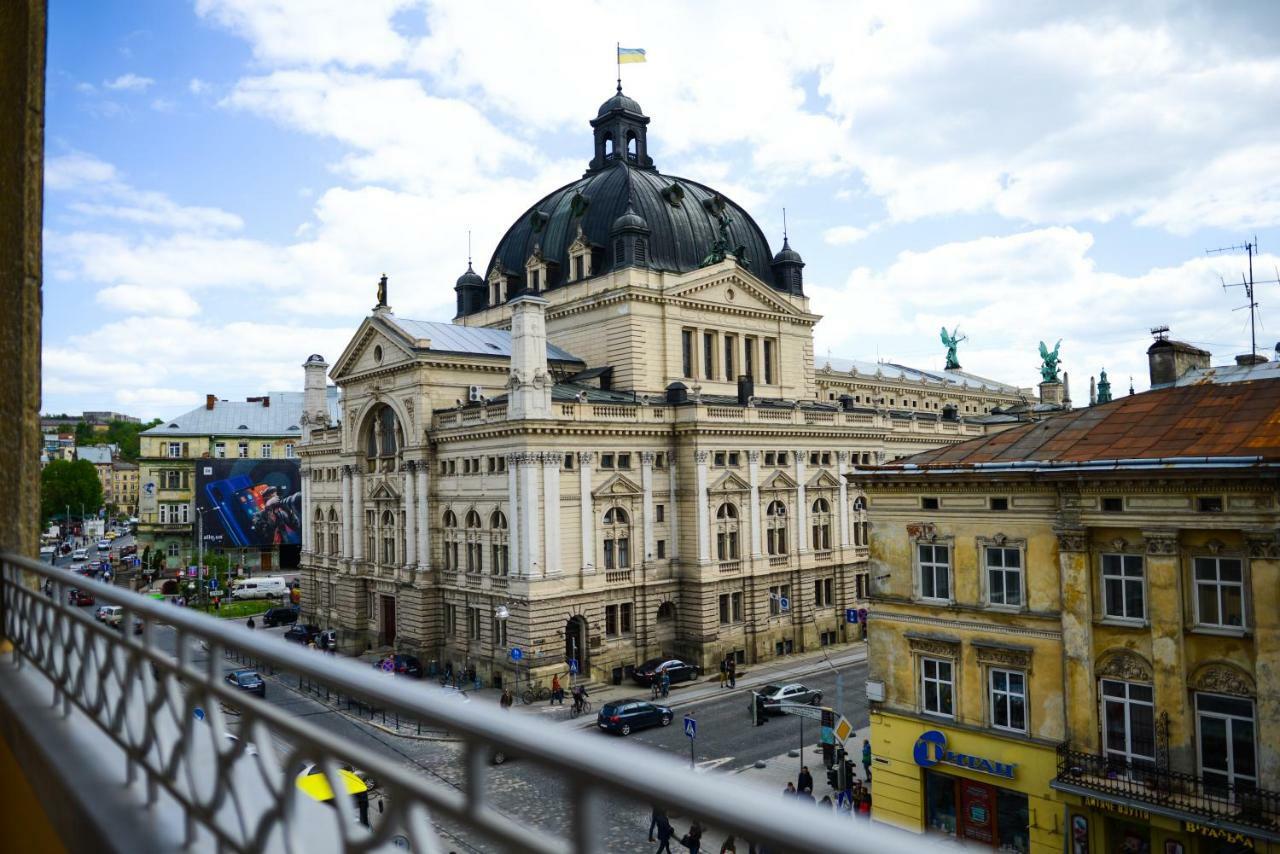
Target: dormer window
<point>538,271</point>
<point>579,257</point>
<point>535,280</point>
<point>497,287</point>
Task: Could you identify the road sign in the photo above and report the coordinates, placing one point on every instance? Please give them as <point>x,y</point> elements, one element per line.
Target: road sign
<point>784,603</point>
<point>573,666</point>
<point>801,710</point>
<point>690,727</point>
<point>388,665</point>
<point>862,615</point>
<point>851,615</point>
<point>197,713</point>
<point>842,730</point>
<point>516,653</point>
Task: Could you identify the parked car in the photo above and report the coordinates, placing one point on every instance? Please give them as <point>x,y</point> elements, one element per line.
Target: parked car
<point>48,551</point>
<point>112,615</point>
<point>101,612</point>
<point>128,550</point>
<point>303,633</point>
<point>678,670</point>
<point>401,665</point>
<point>280,617</point>
<point>775,695</point>
<point>623,716</point>
<point>266,587</point>
<point>80,554</point>
<point>104,545</point>
<point>328,639</point>
<point>79,597</point>
<point>248,681</point>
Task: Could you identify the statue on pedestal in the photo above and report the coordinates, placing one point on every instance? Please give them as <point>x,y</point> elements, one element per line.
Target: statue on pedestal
<point>1049,365</point>
<point>951,342</point>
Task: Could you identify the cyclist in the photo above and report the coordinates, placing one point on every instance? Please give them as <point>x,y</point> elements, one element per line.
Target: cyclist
<point>579,697</point>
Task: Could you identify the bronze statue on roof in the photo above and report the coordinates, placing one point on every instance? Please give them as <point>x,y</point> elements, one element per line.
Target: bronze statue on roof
<point>951,342</point>
<point>1049,363</point>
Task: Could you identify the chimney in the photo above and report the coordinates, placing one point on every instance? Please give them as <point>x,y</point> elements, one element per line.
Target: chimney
<point>210,400</point>
<point>1066,390</point>
<point>1093,392</point>
<point>1251,359</point>
<point>530,383</point>
<point>746,388</point>
<point>315,408</point>
<point>1169,360</point>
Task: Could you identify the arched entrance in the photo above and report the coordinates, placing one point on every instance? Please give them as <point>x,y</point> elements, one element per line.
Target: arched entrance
<point>575,642</point>
<point>664,634</point>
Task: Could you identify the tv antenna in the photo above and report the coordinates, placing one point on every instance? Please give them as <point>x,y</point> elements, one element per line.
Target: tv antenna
<point>1251,249</point>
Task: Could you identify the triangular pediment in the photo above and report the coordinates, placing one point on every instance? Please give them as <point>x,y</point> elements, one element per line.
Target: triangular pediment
<point>779,480</point>
<point>733,291</point>
<point>616,486</point>
<point>361,353</point>
<point>383,491</point>
<point>731,483</point>
<point>822,480</point>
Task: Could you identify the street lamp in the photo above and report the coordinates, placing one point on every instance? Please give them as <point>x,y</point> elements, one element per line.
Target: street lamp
<point>502,613</point>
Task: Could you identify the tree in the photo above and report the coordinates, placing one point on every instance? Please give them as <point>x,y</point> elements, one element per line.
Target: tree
<point>85,434</point>
<point>66,484</point>
<point>122,434</point>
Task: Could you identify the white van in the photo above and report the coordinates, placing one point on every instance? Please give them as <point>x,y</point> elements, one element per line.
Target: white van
<point>267,587</point>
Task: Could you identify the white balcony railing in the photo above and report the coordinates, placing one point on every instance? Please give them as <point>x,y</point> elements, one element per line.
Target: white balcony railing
<point>118,707</point>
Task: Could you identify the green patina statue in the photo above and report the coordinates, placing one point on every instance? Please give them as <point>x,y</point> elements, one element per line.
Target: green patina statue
<point>951,342</point>
<point>1049,367</point>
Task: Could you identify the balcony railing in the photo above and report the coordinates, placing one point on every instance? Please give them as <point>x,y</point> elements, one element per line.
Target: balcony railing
<point>1185,794</point>
<point>130,725</point>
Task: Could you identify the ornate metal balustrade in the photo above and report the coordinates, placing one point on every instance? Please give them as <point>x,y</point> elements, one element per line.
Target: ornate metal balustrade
<point>151,726</point>
<point>1185,794</point>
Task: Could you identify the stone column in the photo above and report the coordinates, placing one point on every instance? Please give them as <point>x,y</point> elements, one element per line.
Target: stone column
<point>842,457</point>
<point>646,484</point>
<point>1076,594</point>
<point>1168,647</point>
<point>802,506</point>
<point>587,511</point>
<point>700,499</point>
<point>347,533</point>
<point>304,481</point>
<point>551,512</point>
<point>530,521</point>
<point>1264,577</point>
<point>357,514</point>
<point>423,494</point>
<point>757,533</point>
<point>513,515</point>
<point>410,515</point>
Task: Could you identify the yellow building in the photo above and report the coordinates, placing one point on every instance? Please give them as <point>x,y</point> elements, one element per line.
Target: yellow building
<point>124,487</point>
<point>1074,626</point>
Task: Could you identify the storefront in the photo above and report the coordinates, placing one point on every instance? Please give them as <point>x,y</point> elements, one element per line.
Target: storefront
<point>1102,826</point>
<point>976,812</point>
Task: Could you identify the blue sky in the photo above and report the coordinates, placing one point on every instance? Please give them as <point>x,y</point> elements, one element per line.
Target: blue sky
<point>226,179</point>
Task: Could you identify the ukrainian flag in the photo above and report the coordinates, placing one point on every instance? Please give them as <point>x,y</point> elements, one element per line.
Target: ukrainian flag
<point>630,54</point>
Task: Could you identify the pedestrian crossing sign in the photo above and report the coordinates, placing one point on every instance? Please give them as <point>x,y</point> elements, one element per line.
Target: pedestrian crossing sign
<point>843,729</point>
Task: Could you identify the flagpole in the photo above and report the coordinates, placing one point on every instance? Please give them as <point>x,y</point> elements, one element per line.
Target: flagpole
<point>617,55</point>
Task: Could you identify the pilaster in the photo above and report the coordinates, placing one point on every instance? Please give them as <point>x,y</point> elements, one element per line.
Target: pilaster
<point>357,514</point>
<point>646,484</point>
<point>587,512</point>
<point>842,459</point>
<point>514,525</point>
<point>700,499</point>
<point>1168,649</point>
<point>757,535</point>
<point>1077,637</point>
<point>802,504</point>
<point>410,515</point>
<point>423,474</point>
<point>530,521</point>
<point>347,531</point>
<point>551,512</point>
<point>1264,581</point>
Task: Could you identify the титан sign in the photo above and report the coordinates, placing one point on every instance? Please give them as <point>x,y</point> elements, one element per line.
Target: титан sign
<point>931,749</point>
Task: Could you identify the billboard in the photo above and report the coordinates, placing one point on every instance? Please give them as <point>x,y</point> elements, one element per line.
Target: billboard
<point>249,503</point>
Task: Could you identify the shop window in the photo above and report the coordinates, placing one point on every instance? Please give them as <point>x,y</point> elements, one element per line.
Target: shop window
<point>1123,587</point>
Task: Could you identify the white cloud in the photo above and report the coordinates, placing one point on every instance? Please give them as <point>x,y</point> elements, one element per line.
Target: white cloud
<point>163,105</point>
<point>197,86</point>
<point>839,235</point>
<point>77,169</point>
<point>129,83</point>
<point>133,299</point>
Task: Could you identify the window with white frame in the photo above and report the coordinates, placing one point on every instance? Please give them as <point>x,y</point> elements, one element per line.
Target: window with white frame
<point>175,450</point>
<point>1008,700</point>
<point>727,532</point>
<point>1227,733</point>
<point>1123,587</point>
<point>265,451</point>
<point>617,539</point>
<point>1220,592</point>
<point>242,450</point>
<point>1128,723</point>
<point>220,450</point>
<point>937,686</point>
<point>775,529</point>
<point>935,571</point>
<point>1004,575</point>
<point>288,450</point>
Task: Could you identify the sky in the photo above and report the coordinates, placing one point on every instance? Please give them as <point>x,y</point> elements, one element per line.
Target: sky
<point>225,180</point>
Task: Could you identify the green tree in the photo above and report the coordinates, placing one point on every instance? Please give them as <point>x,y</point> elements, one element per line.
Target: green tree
<point>85,434</point>
<point>66,484</point>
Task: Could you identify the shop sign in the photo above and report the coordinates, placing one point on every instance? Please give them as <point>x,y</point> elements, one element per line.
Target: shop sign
<point>1117,809</point>
<point>931,749</point>
<point>1228,836</point>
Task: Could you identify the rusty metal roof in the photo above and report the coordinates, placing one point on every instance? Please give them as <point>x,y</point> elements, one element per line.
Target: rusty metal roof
<point>1209,421</point>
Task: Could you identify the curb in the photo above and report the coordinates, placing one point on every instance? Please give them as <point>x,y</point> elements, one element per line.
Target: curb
<point>365,721</point>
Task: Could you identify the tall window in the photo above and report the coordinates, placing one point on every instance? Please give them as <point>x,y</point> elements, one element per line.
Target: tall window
<point>334,542</point>
<point>1004,575</point>
<point>823,592</point>
<point>730,345</point>
<point>768,362</point>
<point>617,619</point>
<point>499,627</point>
<point>779,599</point>
<point>776,528</point>
<point>1219,592</point>
<point>288,450</point>
<point>937,686</point>
<point>501,553</point>
<point>1128,715</point>
<point>450,620</point>
<point>451,534</point>
<point>175,450</point>
<point>1009,700</point>
<point>474,554</point>
<point>709,355</point>
<point>727,532</point>
<point>1123,587</point>
<point>1227,736</point>
<point>822,525</point>
<point>686,352</point>
<point>617,539</point>
<point>749,356</point>
<point>388,538</point>
<point>265,451</point>
<point>220,450</point>
<point>242,450</point>
<point>473,624</point>
<point>935,571</point>
<point>730,608</point>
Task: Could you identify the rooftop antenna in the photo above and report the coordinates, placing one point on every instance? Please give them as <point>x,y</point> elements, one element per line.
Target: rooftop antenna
<point>1160,333</point>
<point>784,225</point>
<point>468,248</point>
<point>1251,249</point>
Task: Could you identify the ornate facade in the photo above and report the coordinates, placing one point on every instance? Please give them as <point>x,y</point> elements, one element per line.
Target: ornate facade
<point>619,445</point>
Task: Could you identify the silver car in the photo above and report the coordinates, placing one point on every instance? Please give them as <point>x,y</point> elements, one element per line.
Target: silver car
<point>795,693</point>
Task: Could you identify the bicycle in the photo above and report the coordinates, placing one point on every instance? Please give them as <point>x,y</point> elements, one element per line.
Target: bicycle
<point>582,708</point>
<point>535,693</point>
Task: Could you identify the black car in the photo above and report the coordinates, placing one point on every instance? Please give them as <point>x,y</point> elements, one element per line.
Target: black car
<point>623,716</point>
<point>328,640</point>
<point>678,670</point>
<point>248,681</point>
<point>775,695</point>
<point>303,633</point>
<point>280,617</point>
<point>401,665</point>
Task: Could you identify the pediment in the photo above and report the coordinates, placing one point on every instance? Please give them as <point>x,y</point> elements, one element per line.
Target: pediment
<point>361,353</point>
<point>822,480</point>
<point>779,480</point>
<point>383,491</point>
<point>733,291</point>
<point>616,486</point>
<point>730,483</point>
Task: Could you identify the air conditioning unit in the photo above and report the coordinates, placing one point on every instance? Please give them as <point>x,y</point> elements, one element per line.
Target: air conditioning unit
<point>473,394</point>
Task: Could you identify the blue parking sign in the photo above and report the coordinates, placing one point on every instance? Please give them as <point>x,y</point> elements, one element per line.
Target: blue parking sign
<point>516,653</point>
<point>851,615</point>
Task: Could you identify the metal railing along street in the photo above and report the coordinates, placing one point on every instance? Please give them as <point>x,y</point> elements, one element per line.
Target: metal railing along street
<point>140,703</point>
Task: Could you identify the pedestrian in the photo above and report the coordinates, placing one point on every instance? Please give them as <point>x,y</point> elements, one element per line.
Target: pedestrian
<point>557,696</point>
<point>866,758</point>
<point>654,814</point>
<point>864,805</point>
<point>448,673</point>
<point>311,644</point>
<point>804,780</point>
<point>665,832</point>
<point>729,847</point>
<point>249,624</point>
<point>506,700</point>
<point>666,683</point>
<point>733,672</point>
<point>790,790</point>
<point>826,803</point>
<point>693,839</point>
<point>805,795</point>
<point>724,674</point>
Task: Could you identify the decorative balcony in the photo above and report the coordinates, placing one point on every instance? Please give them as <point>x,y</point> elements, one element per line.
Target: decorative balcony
<point>617,576</point>
<point>1247,810</point>
<point>730,566</point>
<point>125,736</point>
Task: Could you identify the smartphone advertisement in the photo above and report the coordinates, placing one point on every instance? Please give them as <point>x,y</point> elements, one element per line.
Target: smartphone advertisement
<point>250,503</point>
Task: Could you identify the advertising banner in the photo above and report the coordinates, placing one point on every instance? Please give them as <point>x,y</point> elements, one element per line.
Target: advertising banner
<point>250,503</point>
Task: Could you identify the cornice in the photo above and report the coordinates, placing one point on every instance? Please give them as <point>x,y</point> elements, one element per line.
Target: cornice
<point>964,625</point>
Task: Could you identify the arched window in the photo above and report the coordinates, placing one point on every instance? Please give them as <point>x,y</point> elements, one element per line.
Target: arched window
<point>475,557</point>
<point>500,554</point>
<point>608,146</point>
<point>334,544</point>
<point>727,532</point>
<point>451,536</point>
<point>388,538</point>
<point>775,528</point>
<point>450,520</point>
<point>383,440</point>
<point>473,519</point>
<point>617,539</point>
<point>859,523</point>
<point>631,145</point>
<point>821,527</point>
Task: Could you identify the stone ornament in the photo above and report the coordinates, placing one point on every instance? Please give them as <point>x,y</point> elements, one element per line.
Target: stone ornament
<point>701,456</point>
<point>1161,542</point>
<point>1263,548</point>
<point>1127,666</point>
<point>931,646</point>
<point>1073,541</point>
<point>1016,658</point>
<point>584,458</point>
<point>753,456</point>
<point>647,458</point>
<point>1225,679</point>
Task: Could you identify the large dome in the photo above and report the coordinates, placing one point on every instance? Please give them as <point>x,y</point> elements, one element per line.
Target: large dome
<point>683,217</point>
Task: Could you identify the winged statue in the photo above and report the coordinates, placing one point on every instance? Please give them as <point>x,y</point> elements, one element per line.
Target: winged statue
<point>951,341</point>
<point>1049,366</point>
